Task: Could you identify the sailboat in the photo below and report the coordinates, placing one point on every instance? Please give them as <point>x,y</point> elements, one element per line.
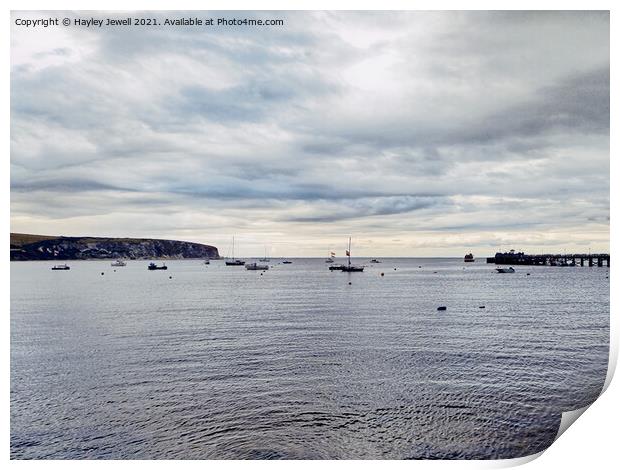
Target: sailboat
<point>350,268</point>
<point>264,259</point>
<point>330,257</point>
<point>234,262</point>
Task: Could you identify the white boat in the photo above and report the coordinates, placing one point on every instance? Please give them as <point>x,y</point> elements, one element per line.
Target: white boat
<point>118,262</point>
<point>256,267</point>
<point>234,261</point>
<point>505,270</point>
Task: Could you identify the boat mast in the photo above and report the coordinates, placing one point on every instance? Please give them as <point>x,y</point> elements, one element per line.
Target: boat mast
<point>349,252</point>
<point>233,247</point>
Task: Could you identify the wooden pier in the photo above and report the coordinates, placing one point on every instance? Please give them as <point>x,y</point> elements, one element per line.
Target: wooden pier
<point>589,259</point>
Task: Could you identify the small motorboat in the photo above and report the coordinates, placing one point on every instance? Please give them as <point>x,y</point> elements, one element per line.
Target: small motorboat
<point>235,262</point>
<point>118,263</point>
<point>61,267</point>
<point>375,261</point>
<point>207,261</point>
<point>154,267</point>
<point>256,267</point>
<point>505,270</point>
<point>287,262</point>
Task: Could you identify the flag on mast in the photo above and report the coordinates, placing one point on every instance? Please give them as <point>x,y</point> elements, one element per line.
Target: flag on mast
<point>348,254</point>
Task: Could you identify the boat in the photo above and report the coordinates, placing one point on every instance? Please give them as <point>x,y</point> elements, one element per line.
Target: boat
<point>505,270</point>
<point>264,259</point>
<point>207,261</point>
<point>154,267</point>
<point>61,267</point>
<point>234,261</point>
<point>330,257</point>
<point>469,258</point>
<point>118,262</point>
<point>337,267</point>
<point>351,268</point>
<point>256,267</point>
<point>287,262</point>
<point>375,261</point>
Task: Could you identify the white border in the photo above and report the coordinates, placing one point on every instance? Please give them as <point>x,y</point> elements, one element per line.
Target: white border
<point>591,443</point>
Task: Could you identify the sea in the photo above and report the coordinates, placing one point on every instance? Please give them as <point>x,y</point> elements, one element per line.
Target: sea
<point>299,362</point>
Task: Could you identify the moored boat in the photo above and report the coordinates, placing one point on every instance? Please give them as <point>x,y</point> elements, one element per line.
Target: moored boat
<point>374,260</point>
<point>154,267</point>
<point>505,270</point>
<point>118,263</point>
<point>287,262</point>
<point>256,267</point>
<point>234,261</point>
<point>61,267</point>
<point>351,268</point>
<point>337,267</point>
<point>469,258</point>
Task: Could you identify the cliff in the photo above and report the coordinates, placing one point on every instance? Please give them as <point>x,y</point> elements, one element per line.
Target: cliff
<point>26,247</point>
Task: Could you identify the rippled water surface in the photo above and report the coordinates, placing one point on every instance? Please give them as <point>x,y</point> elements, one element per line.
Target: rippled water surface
<point>220,362</point>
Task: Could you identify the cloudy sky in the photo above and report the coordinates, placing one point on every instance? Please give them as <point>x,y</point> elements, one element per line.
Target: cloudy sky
<point>419,133</point>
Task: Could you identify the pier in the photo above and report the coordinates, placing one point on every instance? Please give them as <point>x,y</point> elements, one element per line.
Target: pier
<point>589,259</point>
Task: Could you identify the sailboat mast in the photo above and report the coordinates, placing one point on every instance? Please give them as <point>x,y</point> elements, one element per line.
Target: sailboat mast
<point>233,248</point>
<point>349,251</point>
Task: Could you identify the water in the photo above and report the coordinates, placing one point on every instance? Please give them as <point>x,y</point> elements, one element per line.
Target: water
<point>219,362</point>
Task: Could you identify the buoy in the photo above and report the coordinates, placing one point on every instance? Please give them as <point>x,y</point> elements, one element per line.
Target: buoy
<point>169,277</point>
<point>442,308</point>
<point>419,266</point>
<point>383,274</point>
<point>482,306</point>
<point>261,274</point>
<point>102,274</point>
<point>394,269</point>
<point>349,282</point>
<point>434,272</point>
<point>115,270</point>
<point>527,274</point>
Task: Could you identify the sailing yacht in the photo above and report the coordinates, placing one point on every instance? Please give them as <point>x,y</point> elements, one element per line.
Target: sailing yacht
<point>264,259</point>
<point>234,261</point>
<point>350,268</point>
<point>330,257</point>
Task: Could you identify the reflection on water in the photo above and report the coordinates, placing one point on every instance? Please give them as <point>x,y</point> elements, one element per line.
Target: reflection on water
<point>220,362</point>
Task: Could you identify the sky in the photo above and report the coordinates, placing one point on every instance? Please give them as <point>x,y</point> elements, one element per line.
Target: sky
<point>415,133</point>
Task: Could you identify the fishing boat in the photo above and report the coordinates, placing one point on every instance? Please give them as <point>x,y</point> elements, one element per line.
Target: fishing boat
<point>234,261</point>
<point>154,267</point>
<point>61,267</point>
<point>256,267</point>
<point>118,263</point>
<point>505,270</point>
<point>350,268</point>
<point>469,258</point>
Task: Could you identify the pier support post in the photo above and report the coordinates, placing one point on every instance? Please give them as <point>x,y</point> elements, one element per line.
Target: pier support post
<point>590,261</point>
<point>600,262</point>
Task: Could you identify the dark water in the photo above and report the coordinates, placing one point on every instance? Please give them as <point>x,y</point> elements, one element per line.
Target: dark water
<point>220,362</point>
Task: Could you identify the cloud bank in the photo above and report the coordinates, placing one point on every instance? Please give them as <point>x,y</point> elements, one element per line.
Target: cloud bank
<point>419,133</point>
